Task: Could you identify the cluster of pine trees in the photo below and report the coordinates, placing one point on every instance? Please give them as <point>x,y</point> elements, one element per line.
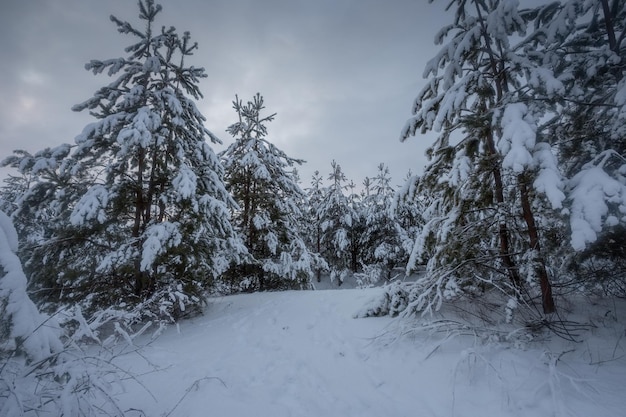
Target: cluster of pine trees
<point>524,192</point>
<point>524,195</point>
<point>140,213</point>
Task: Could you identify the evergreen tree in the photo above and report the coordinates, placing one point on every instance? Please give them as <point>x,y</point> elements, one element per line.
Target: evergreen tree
<point>491,174</point>
<point>408,206</point>
<point>586,41</point>
<point>337,217</point>
<point>382,237</point>
<point>355,200</point>
<point>141,210</point>
<point>312,224</point>
<point>31,221</point>
<point>41,210</point>
<point>259,178</point>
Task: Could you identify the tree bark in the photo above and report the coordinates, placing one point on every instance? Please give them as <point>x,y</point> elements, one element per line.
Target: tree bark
<point>318,245</point>
<point>503,232</point>
<point>608,23</point>
<point>501,86</point>
<point>547,301</point>
<point>140,277</point>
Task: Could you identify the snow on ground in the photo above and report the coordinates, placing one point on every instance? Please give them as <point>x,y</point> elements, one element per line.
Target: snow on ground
<point>303,354</point>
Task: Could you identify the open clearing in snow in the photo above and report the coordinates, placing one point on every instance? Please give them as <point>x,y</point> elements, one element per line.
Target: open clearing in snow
<point>303,354</point>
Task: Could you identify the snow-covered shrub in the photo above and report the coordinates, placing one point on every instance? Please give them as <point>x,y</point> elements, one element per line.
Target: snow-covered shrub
<point>601,267</point>
<point>370,275</point>
<point>166,305</point>
<point>79,379</point>
<point>392,301</point>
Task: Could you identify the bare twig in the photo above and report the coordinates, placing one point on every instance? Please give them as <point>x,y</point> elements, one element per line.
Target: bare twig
<point>195,385</point>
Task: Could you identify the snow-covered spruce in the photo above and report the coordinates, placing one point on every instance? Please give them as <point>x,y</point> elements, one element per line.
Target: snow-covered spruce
<point>312,219</point>
<point>337,219</point>
<point>382,238</point>
<point>260,178</point>
<point>589,136</point>
<point>141,192</point>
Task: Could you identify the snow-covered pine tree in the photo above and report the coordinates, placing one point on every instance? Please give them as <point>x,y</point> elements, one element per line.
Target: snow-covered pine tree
<point>312,225</point>
<point>408,208</point>
<point>586,41</point>
<point>11,194</point>
<point>337,218</point>
<point>259,177</point>
<point>355,199</point>
<point>144,210</point>
<point>490,172</point>
<point>382,236</point>
<point>41,209</point>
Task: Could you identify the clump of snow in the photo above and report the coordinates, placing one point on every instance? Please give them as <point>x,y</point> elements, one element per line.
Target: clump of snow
<point>549,180</point>
<point>541,77</point>
<point>461,169</point>
<point>510,308</point>
<point>392,301</point>
<point>592,190</point>
<point>518,138</point>
<point>91,206</point>
<point>185,182</point>
<point>152,64</point>
<point>159,238</point>
<point>140,131</point>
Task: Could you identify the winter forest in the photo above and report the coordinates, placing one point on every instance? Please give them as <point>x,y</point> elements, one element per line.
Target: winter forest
<point>507,253</point>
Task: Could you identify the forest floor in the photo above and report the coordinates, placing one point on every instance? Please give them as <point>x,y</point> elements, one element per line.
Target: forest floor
<point>302,353</point>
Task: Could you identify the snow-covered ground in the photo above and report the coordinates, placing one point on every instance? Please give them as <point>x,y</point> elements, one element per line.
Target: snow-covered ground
<point>303,354</point>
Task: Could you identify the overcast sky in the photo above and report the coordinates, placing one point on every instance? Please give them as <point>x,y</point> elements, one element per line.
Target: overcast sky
<point>341,74</point>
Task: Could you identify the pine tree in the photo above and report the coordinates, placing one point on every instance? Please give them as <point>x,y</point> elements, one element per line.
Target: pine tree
<point>312,224</point>
<point>357,208</point>
<point>41,206</point>
<point>337,217</point>
<point>260,178</point>
<point>382,237</point>
<point>489,168</point>
<point>408,207</point>
<point>143,210</point>
<point>587,41</point>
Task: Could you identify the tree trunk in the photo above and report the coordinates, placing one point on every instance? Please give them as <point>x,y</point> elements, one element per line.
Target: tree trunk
<point>503,232</point>
<point>501,86</point>
<point>140,278</point>
<point>608,23</point>
<point>318,247</point>
<point>547,301</point>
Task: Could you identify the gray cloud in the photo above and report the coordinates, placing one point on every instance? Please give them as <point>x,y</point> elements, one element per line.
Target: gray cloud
<point>341,74</point>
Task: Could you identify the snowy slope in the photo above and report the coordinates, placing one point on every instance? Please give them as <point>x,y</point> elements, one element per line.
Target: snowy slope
<point>302,354</point>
